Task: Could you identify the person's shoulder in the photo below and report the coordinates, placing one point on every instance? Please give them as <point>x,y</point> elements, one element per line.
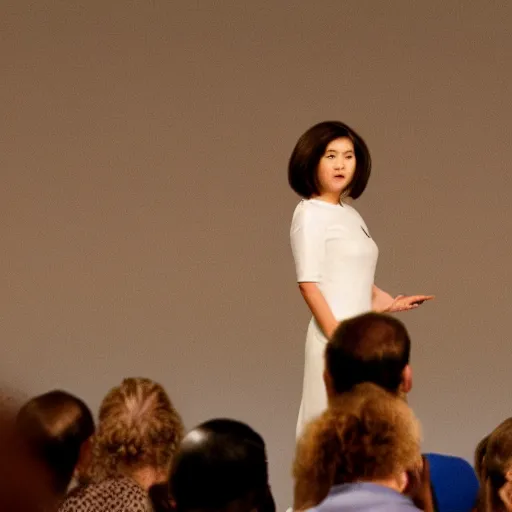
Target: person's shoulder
<point>353,212</point>
<point>72,498</point>
<point>309,211</point>
<point>304,205</point>
<point>111,493</point>
<point>123,487</point>
<point>349,207</point>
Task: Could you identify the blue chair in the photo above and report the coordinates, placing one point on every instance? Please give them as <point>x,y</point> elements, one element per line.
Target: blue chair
<point>454,483</point>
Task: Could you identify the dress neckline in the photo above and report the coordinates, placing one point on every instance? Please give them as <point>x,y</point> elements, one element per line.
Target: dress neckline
<point>326,204</point>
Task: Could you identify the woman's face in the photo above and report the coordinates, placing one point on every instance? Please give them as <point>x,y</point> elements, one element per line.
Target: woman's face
<point>336,167</point>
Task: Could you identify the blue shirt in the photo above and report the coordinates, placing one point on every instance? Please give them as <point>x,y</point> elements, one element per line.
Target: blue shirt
<point>365,496</point>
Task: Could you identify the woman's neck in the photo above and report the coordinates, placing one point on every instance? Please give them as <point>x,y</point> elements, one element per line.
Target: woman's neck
<point>148,476</point>
<point>327,197</point>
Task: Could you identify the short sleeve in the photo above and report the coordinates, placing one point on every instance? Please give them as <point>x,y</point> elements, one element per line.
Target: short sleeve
<point>307,237</point>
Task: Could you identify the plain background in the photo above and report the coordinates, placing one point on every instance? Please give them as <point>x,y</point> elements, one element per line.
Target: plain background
<point>145,207</point>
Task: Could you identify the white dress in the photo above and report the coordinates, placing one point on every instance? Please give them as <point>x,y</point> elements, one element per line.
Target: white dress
<point>332,246</point>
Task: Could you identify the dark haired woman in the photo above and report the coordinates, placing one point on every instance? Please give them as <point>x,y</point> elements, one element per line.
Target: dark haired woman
<point>335,255</point>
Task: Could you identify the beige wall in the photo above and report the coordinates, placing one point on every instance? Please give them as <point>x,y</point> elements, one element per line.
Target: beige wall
<point>145,208</point>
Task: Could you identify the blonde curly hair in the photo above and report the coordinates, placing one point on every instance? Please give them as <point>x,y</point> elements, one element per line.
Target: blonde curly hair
<point>138,427</point>
<point>367,434</point>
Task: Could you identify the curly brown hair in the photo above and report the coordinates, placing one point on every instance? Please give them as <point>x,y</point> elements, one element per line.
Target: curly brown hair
<point>138,427</point>
<point>367,434</point>
<point>493,464</point>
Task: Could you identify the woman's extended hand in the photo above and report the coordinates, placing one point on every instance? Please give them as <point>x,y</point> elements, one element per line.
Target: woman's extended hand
<point>407,302</point>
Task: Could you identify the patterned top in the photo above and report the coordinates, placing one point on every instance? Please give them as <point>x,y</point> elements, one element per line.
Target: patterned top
<point>110,495</point>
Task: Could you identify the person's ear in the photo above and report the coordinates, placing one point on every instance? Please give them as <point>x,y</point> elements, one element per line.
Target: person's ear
<point>505,494</point>
<point>406,384</point>
<point>418,486</point>
<point>403,481</point>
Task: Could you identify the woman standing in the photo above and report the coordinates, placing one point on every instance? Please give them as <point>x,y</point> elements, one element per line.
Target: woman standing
<point>335,255</point>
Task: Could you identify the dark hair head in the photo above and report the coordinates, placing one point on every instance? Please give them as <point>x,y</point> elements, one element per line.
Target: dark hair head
<point>493,461</point>
<point>302,167</point>
<point>222,463</point>
<point>25,483</point>
<point>55,425</point>
<point>480,451</point>
<point>368,348</point>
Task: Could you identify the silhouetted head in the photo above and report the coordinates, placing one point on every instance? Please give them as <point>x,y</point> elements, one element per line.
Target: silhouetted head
<point>26,484</point>
<point>221,466</point>
<point>57,428</point>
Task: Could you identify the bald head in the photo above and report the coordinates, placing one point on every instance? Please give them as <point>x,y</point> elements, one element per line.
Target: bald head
<point>221,465</point>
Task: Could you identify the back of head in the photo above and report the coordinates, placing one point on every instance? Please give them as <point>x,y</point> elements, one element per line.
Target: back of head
<point>221,465</point>
<point>138,428</point>
<point>368,348</point>
<point>55,426</point>
<point>26,484</point>
<point>480,450</point>
<point>367,434</point>
<point>493,459</point>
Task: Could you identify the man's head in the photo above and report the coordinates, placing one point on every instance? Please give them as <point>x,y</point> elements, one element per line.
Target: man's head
<point>57,428</point>
<point>371,347</point>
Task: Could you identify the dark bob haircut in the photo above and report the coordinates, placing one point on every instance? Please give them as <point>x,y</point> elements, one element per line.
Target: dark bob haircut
<point>302,167</point>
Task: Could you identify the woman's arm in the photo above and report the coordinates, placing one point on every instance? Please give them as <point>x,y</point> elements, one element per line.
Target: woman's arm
<point>319,308</point>
<point>381,300</point>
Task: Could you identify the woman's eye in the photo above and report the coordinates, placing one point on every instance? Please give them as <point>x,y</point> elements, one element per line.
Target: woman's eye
<point>330,156</point>
<point>349,157</point>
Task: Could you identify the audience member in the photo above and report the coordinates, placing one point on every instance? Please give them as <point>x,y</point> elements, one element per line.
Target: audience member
<point>221,466</point>
<point>361,454</point>
<point>493,461</point>
<point>480,450</point>
<point>57,428</point>
<point>376,348</point>
<point>368,348</point>
<point>138,433</point>
<point>25,483</point>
